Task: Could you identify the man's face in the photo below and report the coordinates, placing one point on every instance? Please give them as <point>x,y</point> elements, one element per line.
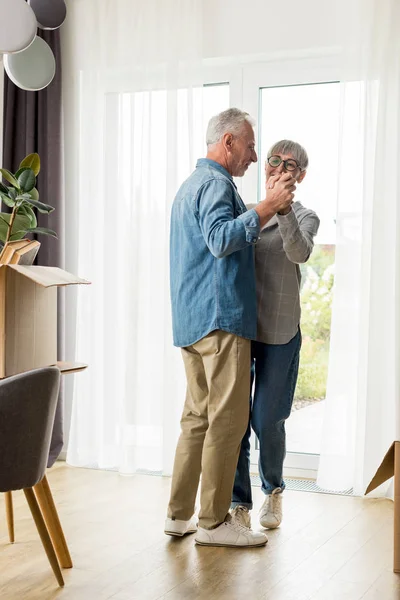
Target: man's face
<point>241,151</point>
<point>298,174</point>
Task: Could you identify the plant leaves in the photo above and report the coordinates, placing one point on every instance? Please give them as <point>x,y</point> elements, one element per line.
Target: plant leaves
<point>25,196</point>
<point>12,193</point>
<point>21,222</point>
<point>7,200</point>
<point>2,219</point>
<point>20,226</point>
<point>43,208</point>
<point>25,209</point>
<point>33,162</point>
<point>27,180</point>
<point>42,230</point>
<point>18,173</point>
<point>18,235</point>
<point>8,176</point>
<point>34,194</point>
<point>3,188</point>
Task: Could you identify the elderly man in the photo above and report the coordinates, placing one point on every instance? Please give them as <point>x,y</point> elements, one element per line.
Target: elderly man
<point>214,310</point>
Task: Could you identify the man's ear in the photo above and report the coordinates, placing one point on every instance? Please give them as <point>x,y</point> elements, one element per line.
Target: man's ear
<point>228,139</point>
<point>301,176</point>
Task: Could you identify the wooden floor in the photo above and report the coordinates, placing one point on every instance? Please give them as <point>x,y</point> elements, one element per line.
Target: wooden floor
<point>328,548</point>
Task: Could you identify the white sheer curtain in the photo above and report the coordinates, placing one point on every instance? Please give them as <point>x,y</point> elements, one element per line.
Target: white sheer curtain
<point>133,112</point>
<point>363,396</point>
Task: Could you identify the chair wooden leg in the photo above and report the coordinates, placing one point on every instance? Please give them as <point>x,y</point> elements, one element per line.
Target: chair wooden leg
<point>10,516</point>
<point>44,534</point>
<point>50,515</point>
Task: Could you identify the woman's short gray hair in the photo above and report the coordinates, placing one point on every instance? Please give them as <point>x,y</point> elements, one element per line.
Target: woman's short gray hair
<point>227,121</point>
<point>293,148</point>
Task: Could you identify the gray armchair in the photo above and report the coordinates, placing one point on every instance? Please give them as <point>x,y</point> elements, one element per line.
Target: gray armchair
<point>27,408</point>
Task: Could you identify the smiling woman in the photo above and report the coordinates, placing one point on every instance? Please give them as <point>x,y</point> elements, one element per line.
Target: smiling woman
<point>280,109</point>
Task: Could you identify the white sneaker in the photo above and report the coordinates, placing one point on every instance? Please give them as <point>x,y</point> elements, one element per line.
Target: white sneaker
<point>271,510</point>
<point>241,515</point>
<point>180,528</point>
<point>231,534</point>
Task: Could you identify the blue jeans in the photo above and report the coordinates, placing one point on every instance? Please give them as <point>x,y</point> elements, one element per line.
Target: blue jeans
<point>274,372</point>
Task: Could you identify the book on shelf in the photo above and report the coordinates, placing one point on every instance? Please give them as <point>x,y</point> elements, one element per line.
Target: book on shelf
<point>10,248</point>
<point>25,255</point>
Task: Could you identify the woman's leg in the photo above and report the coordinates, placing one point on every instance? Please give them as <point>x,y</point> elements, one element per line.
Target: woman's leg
<point>276,370</point>
<point>241,495</point>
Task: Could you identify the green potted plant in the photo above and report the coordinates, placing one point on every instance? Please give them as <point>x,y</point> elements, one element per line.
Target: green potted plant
<point>22,197</point>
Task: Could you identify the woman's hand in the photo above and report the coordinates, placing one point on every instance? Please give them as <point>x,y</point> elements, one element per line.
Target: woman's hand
<point>280,192</point>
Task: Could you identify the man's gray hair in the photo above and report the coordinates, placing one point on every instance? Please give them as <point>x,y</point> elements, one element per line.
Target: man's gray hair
<point>293,148</point>
<point>228,121</point>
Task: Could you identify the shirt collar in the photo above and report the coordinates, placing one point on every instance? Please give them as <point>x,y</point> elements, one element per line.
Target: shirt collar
<point>202,162</point>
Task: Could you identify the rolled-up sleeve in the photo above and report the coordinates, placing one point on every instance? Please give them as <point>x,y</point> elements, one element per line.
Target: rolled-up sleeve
<point>224,232</point>
<point>298,236</point>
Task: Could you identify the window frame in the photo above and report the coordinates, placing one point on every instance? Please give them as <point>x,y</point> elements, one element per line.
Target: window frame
<point>282,72</point>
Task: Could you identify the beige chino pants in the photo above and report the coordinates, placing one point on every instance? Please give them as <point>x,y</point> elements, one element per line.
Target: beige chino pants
<point>214,421</point>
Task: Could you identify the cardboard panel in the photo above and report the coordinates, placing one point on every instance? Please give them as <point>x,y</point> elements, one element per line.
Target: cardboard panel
<point>385,470</point>
<point>30,323</point>
<point>389,467</point>
<point>48,276</point>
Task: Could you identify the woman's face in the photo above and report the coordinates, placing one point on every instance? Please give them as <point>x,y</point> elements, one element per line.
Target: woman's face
<point>298,174</point>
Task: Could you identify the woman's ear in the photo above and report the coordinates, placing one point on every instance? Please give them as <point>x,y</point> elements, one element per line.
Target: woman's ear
<point>301,176</point>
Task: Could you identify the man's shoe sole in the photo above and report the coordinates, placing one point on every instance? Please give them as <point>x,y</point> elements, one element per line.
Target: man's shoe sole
<point>176,534</point>
<point>231,545</point>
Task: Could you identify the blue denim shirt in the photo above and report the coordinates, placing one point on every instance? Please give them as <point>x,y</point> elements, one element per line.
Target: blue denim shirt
<point>212,271</point>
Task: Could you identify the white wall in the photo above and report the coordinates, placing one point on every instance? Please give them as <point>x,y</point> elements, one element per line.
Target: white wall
<point>244,27</point>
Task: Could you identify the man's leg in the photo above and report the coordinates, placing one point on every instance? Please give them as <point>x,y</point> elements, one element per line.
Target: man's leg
<point>226,359</point>
<point>194,424</point>
<point>218,401</point>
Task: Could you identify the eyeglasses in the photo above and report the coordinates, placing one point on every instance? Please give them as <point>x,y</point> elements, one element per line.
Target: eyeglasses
<point>289,165</point>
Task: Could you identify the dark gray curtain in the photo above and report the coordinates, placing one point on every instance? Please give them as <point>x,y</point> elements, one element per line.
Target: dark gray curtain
<point>32,122</point>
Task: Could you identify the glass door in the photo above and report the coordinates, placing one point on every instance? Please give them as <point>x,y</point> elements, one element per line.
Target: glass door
<point>307,113</point>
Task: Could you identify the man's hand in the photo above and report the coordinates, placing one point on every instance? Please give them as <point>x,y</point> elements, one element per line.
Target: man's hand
<point>280,191</point>
<point>279,197</point>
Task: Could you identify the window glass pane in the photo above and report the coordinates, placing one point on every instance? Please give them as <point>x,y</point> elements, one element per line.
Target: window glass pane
<point>195,109</point>
<point>144,120</point>
<point>309,115</point>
